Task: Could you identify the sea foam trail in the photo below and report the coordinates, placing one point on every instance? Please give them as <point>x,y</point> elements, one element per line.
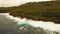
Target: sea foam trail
<point>46,25</point>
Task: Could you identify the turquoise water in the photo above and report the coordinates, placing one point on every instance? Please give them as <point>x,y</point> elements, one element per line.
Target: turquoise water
<point>23,24</point>
<point>10,26</point>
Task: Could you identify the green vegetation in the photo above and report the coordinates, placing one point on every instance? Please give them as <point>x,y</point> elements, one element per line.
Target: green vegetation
<point>8,26</point>
<point>45,11</point>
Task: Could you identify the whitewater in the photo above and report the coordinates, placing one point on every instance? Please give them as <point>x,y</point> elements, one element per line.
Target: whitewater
<point>45,25</point>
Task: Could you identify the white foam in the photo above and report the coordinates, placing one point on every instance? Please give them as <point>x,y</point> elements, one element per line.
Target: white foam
<point>46,25</point>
